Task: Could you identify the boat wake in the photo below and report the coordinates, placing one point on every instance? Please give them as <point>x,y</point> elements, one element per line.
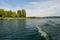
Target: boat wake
<point>51,30</point>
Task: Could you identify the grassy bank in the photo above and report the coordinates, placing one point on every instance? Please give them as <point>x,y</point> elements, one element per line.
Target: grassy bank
<point>10,18</point>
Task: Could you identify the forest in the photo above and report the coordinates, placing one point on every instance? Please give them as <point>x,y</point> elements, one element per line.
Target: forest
<point>10,13</point>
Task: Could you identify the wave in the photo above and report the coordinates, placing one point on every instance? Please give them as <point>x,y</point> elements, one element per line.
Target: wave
<point>52,29</point>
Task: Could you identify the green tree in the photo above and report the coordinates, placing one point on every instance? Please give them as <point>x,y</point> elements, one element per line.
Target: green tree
<point>14,14</point>
<point>1,12</point>
<point>8,13</point>
<point>19,12</point>
<point>5,13</point>
<point>23,13</point>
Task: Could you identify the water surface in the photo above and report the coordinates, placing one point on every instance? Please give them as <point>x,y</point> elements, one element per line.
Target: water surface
<point>19,30</point>
<point>31,29</point>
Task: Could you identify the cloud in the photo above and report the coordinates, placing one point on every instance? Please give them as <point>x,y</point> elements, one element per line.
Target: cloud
<point>45,8</point>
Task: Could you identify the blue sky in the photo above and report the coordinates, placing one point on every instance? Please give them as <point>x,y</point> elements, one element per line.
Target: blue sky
<point>38,8</point>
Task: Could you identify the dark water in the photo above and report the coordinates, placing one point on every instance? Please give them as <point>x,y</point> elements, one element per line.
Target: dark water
<point>50,28</point>
<point>31,29</point>
<point>19,30</point>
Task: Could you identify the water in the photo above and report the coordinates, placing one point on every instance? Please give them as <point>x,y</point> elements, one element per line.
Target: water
<point>31,29</point>
<point>50,28</point>
<point>19,30</point>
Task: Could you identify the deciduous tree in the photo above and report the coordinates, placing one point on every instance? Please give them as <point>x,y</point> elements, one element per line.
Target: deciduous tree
<point>19,12</point>
<point>23,13</point>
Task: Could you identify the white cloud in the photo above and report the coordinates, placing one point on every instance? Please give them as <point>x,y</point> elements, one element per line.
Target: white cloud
<point>46,8</point>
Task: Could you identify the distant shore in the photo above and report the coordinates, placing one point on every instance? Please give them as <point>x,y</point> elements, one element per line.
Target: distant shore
<point>18,18</point>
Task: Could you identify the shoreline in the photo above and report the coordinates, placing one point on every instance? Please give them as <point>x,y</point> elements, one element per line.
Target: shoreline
<point>19,18</point>
<point>10,18</point>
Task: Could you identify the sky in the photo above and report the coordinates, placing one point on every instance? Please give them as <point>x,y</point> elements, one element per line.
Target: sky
<point>36,8</point>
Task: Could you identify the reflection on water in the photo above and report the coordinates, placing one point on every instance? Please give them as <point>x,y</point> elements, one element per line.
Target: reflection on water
<point>18,30</point>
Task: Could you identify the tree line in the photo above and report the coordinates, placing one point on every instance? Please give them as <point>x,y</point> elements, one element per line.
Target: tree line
<point>19,13</point>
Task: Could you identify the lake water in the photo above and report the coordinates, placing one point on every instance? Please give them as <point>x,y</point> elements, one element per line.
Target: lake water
<point>31,29</point>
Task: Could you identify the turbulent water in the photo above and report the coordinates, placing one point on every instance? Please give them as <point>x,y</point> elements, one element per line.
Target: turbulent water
<point>50,28</point>
<point>31,29</point>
